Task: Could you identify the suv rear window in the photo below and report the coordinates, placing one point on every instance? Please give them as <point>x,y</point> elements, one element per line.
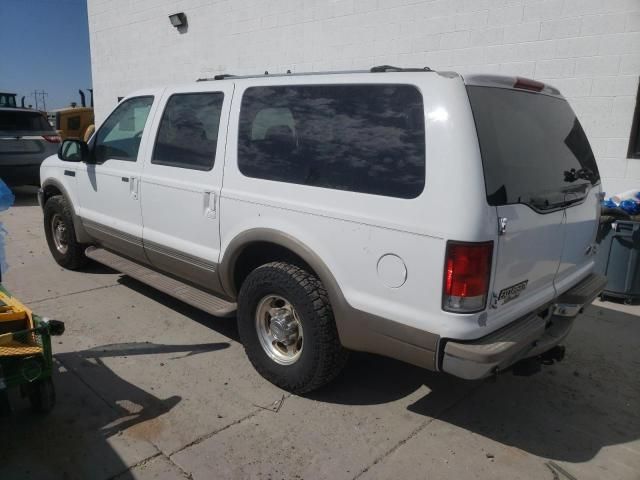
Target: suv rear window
<point>359,138</point>
<point>21,121</point>
<point>534,150</point>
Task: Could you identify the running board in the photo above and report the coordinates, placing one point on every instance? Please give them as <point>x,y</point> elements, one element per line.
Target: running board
<point>177,289</point>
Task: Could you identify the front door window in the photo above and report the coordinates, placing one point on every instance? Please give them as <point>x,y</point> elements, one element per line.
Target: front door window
<point>119,136</point>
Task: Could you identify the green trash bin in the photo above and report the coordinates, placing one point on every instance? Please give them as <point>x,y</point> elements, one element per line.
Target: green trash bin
<point>619,260</point>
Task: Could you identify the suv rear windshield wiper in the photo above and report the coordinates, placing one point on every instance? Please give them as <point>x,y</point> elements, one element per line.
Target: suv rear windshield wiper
<point>557,199</point>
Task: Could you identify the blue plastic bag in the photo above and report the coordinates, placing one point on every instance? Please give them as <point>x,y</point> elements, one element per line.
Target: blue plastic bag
<point>608,203</point>
<point>6,200</point>
<point>632,207</point>
<point>6,196</point>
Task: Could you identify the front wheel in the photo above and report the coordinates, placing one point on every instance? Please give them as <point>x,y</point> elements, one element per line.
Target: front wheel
<point>60,234</point>
<point>287,327</point>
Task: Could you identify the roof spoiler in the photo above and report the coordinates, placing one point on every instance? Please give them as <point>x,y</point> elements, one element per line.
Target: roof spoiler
<point>515,83</point>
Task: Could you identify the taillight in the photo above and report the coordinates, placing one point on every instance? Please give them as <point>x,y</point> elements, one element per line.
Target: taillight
<point>467,271</point>
<point>52,138</point>
<point>528,84</point>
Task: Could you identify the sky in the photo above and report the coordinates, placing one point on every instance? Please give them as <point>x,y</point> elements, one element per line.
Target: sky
<point>45,46</point>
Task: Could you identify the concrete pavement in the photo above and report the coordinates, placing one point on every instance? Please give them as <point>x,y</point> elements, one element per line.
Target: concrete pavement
<point>150,388</point>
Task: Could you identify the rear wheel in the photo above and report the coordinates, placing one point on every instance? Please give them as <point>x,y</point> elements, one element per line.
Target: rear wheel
<point>60,234</point>
<point>287,327</point>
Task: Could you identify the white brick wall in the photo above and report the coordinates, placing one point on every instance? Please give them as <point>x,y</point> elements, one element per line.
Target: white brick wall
<point>589,49</point>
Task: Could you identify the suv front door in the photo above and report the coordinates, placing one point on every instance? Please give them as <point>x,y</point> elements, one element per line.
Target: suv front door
<point>108,185</point>
<point>181,183</point>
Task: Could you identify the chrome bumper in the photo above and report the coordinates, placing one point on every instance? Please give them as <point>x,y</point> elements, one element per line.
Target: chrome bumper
<point>527,337</point>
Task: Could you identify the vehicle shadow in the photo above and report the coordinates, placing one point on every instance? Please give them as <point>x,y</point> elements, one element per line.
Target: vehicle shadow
<point>26,196</point>
<point>226,326</point>
<point>98,268</point>
<point>568,412</point>
<point>87,433</point>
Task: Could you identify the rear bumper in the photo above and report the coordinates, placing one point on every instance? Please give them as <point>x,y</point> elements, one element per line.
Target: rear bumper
<point>530,336</point>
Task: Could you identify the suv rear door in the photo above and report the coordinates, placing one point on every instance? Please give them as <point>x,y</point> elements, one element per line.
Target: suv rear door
<point>182,180</point>
<point>539,171</point>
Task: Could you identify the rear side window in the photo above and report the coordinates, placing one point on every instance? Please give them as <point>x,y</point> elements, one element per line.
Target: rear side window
<point>188,132</point>
<point>21,121</point>
<point>359,138</point>
<point>534,150</point>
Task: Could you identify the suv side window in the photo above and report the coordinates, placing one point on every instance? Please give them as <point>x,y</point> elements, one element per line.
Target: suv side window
<point>358,138</point>
<point>120,134</point>
<point>188,131</point>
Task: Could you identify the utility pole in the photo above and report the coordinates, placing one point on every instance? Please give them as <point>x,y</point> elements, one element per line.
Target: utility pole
<point>40,95</point>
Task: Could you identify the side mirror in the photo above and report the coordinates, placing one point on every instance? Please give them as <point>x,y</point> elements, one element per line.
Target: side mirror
<point>73,150</point>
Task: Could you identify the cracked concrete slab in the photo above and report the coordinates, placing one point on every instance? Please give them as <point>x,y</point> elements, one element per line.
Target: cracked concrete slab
<point>157,468</point>
<point>186,385</point>
<point>331,434</point>
<point>581,414</point>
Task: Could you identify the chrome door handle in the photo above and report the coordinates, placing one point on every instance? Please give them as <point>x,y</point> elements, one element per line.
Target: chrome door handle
<point>502,225</point>
<point>210,204</point>
<point>133,187</point>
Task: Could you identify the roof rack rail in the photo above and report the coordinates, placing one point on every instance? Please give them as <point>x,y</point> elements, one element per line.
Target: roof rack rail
<point>376,69</point>
<point>221,76</point>
<point>391,68</point>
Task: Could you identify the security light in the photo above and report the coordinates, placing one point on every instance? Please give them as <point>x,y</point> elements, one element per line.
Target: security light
<point>178,19</point>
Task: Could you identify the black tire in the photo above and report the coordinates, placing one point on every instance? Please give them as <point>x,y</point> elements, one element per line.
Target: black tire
<point>73,258</point>
<point>322,356</point>
<point>42,396</point>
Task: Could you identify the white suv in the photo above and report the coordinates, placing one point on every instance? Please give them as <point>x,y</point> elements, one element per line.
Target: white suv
<point>442,220</point>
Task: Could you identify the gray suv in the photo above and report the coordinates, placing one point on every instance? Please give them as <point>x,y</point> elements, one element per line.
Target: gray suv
<point>26,139</point>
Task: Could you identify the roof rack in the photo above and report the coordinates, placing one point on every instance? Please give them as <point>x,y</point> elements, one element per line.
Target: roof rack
<point>376,69</point>
<point>391,68</point>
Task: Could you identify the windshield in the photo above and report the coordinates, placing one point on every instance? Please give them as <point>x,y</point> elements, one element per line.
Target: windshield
<point>20,121</point>
<point>7,100</point>
<point>534,150</point>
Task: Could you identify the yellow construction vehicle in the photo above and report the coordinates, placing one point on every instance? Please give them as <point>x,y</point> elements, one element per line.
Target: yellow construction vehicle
<point>73,121</point>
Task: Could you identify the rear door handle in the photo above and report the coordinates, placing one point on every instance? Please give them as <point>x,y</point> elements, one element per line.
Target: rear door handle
<point>210,204</point>
<point>133,187</point>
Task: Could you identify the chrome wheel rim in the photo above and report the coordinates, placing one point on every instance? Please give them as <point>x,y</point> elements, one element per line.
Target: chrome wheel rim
<point>279,329</point>
<point>59,234</point>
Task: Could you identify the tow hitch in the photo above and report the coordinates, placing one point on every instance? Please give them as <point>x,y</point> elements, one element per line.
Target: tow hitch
<point>530,366</point>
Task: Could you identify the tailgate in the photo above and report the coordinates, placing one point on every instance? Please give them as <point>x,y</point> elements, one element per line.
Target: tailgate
<point>579,246</point>
<point>21,145</point>
<point>25,137</point>
<point>540,175</point>
<point>528,255</point>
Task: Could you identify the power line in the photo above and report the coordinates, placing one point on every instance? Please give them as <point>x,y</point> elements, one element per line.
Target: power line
<point>41,96</point>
